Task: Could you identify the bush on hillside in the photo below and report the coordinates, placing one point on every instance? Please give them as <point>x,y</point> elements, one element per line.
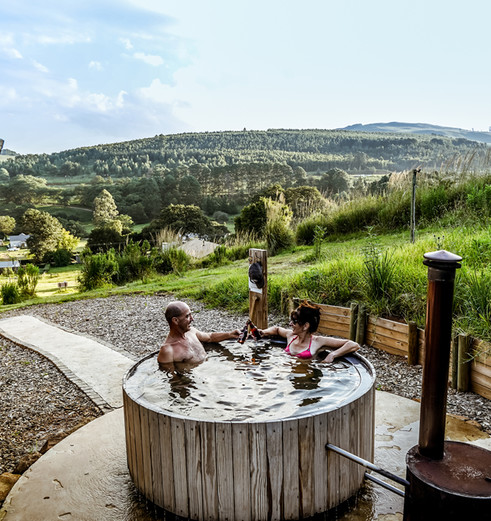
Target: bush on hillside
<point>98,270</point>
<point>10,293</point>
<point>134,263</point>
<point>172,260</point>
<point>28,278</point>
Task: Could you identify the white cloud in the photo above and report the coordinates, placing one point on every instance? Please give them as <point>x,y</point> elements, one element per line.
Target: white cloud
<point>39,66</point>
<point>120,99</point>
<point>11,52</point>
<point>98,102</point>
<point>95,65</point>
<point>69,38</point>
<point>127,43</point>
<point>149,59</point>
<point>157,92</point>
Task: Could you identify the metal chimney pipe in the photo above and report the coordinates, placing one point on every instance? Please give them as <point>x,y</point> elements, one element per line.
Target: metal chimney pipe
<point>442,266</point>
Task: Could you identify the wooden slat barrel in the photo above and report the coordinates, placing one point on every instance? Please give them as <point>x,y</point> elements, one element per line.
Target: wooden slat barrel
<point>250,471</point>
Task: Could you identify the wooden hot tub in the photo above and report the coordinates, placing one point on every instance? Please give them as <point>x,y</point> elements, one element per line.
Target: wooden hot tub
<point>248,470</point>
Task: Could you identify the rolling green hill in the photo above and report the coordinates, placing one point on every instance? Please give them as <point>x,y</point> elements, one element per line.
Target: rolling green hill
<point>312,150</point>
<point>422,128</point>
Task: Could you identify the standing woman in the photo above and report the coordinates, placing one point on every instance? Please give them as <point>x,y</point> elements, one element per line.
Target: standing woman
<point>302,343</point>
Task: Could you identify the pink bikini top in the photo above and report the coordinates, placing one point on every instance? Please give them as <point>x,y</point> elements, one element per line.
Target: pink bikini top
<point>303,354</point>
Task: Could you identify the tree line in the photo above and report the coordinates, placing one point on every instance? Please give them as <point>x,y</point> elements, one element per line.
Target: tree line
<point>312,150</point>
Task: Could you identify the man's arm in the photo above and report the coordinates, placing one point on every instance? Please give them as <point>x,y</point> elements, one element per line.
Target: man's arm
<point>217,337</point>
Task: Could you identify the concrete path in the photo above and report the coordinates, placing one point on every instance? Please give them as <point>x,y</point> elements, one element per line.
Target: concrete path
<point>85,476</point>
<point>96,368</point>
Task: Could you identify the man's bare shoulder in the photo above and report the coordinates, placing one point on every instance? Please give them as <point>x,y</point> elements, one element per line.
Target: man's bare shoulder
<point>186,348</point>
<point>166,353</point>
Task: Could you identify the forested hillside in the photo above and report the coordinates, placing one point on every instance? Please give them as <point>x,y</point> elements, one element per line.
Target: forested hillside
<point>312,150</point>
<point>221,171</point>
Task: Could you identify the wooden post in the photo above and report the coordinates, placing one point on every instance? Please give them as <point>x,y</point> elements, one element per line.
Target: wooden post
<point>412,344</point>
<point>464,363</point>
<point>454,357</point>
<point>258,297</point>
<point>361,325</point>
<point>353,320</point>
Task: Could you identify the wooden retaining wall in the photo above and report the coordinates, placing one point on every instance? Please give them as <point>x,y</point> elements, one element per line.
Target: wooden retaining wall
<point>406,340</point>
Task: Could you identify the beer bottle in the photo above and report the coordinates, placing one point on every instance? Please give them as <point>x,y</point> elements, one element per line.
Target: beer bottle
<point>243,334</point>
<point>254,331</point>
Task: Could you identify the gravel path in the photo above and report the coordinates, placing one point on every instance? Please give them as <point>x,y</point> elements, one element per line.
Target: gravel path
<point>38,401</point>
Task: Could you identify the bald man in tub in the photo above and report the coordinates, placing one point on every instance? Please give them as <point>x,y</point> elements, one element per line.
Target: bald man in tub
<point>183,344</point>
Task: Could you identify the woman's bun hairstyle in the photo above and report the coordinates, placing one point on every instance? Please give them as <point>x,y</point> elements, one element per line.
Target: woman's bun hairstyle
<point>310,313</point>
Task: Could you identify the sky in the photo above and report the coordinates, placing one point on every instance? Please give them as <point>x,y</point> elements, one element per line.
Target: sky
<point>76,74</point>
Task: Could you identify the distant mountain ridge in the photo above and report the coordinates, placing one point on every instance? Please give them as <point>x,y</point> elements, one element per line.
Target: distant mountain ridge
<point>422,128</point>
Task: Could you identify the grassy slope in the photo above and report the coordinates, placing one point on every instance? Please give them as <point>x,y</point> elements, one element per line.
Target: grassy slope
<point>336,277</point>
<point>283,269</point>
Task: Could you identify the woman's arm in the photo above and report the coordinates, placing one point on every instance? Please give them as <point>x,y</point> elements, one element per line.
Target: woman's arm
<point>339,346</point>
<point>275,331</point>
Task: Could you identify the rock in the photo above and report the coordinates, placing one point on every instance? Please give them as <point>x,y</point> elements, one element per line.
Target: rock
<point>26,461</point>
<point>52,441</point>
<point>7,481</point>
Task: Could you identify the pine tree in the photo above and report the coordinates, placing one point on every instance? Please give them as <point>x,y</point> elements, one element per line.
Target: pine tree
<point>105,210</point>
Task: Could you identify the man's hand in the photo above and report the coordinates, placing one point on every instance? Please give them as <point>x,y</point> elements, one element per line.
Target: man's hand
<point>235,333</point>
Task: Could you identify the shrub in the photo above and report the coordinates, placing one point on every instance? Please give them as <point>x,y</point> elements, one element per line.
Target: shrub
<point>277,232</point>
<point>60,257</point>
<point>172,260</point>
<point>10,293</point>
<point>133,263</point>
<point>305,232</point>
<point>479,199</point>
<point>28,278</point>
<point>218,257</point>
<point>98,270</point>
<point>433,203</point>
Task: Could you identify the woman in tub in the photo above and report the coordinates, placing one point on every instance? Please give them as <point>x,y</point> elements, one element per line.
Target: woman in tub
<point>302,343</point>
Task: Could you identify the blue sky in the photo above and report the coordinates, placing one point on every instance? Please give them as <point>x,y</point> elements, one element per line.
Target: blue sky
<point>83,73</point>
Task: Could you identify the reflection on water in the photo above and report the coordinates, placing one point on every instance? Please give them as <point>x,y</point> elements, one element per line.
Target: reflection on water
<point>240,382</point>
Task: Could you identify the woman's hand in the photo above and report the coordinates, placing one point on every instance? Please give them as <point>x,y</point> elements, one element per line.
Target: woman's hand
<point>330,358</point>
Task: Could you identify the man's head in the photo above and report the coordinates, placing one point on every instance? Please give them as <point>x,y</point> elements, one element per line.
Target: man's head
<point>178,315</point>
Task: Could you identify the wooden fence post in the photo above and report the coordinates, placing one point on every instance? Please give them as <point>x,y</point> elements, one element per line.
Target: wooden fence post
<point>412,344</point>
<point>464,362</point>
<point>454,357</point>
<point>258,296</point>
<point>353,320</point>
<point>361,324</point>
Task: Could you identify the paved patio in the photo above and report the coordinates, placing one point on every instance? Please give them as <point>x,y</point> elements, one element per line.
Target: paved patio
<point>85,476</point>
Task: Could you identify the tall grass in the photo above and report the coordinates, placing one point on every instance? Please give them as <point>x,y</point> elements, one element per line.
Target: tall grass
<point>473,302</point>
<point>378,274</point>
<point>437,196</point>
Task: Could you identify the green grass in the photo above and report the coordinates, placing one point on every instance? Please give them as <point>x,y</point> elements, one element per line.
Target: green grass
<point>82,215</point>
<point>335,275</point>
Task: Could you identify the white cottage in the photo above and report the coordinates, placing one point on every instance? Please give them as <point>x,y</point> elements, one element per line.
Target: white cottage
<point>18,241</point>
